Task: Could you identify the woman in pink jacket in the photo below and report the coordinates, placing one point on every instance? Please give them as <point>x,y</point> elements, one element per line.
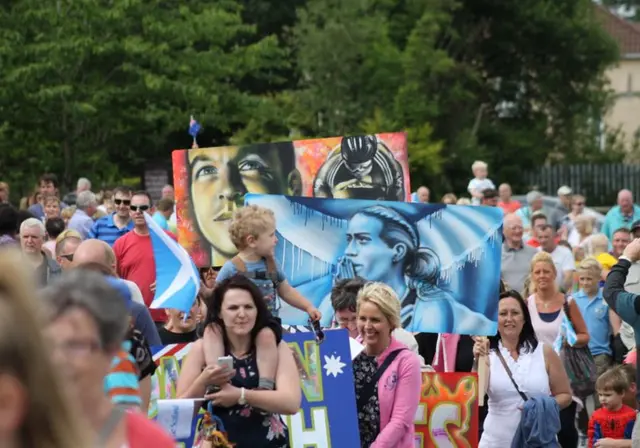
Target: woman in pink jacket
<point>386,374</point>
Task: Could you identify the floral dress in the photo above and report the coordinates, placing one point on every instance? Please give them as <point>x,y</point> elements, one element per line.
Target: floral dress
<point>364,368</point>
<point>248,427</point>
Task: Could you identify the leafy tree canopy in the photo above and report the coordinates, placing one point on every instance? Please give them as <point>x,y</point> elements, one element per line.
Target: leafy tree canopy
<point>90,87</point>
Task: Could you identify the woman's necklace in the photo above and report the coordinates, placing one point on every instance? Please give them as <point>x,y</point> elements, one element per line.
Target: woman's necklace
<point>545,304</point>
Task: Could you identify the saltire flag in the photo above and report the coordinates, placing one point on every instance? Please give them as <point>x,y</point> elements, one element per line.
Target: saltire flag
<point>177,278</point>
<point>567,333</point>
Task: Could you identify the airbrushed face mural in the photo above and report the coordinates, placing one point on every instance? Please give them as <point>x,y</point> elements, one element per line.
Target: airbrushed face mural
<point>442,261</point>
<point>211,183</point>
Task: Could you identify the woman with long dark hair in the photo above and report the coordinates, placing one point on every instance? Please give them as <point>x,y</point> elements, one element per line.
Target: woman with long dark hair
<point>251,417</point>
<point>516,356</point>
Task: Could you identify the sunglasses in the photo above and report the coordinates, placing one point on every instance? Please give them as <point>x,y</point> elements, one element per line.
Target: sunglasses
<point>140,208</point>
<point>122,201</point>
<point>68,257</point>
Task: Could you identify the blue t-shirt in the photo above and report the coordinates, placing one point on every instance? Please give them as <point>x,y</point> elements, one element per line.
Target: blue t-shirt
<point>595,312</point>
<point>265,284</point>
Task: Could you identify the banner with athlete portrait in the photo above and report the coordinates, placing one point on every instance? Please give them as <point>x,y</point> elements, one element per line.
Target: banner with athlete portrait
<point>443,261</point>
<point>210,183</point>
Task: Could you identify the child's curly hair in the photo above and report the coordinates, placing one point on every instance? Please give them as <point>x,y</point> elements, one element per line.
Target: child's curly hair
<point>251,220</point>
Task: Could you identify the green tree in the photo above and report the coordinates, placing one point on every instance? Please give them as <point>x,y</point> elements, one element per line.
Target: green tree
<point>96,87</point>
<point>514,83</point>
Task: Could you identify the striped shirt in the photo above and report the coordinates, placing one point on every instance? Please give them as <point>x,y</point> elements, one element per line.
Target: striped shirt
<point>121,383</point>
<point>105,229</point>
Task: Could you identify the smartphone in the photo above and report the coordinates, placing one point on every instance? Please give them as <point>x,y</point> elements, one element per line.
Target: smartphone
<point>211,389</point>
<point>226,362</point>
<point>317,329</point>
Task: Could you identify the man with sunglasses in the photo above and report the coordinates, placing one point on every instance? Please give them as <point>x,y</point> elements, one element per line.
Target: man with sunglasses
<point>111,227</point>
<point>134,253</point>
<point>66,248</point>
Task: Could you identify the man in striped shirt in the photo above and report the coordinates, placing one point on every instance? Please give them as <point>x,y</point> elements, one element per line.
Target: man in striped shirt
<point>111,227</point>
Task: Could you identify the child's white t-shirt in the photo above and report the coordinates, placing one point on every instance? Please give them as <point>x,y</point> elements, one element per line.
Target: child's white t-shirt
<point>479,184</point>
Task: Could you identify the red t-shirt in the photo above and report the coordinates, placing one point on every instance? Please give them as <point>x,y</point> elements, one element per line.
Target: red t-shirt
<point>509,207</point>
<point>136,263</point>
<point>144,433</point>
<point>533,242</point>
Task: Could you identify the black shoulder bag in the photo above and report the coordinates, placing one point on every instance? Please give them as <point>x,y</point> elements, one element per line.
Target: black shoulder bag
<point>367,389</point>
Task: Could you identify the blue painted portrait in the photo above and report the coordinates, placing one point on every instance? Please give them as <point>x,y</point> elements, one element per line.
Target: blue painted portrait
<point>442,261</point>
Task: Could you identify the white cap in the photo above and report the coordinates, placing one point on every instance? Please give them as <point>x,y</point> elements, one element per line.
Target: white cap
<point>564,191</point>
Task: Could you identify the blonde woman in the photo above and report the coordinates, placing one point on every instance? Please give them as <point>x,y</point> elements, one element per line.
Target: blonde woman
<point>546,306</point>
<point>386,373</point>
<point>581,231</point>
<point>600,251</point>
<point>34,412</point>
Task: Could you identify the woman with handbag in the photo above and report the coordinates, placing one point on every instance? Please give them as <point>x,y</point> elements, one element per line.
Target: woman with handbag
<point>548,306</point>
<point>386,373</point>
<point>519,367</point>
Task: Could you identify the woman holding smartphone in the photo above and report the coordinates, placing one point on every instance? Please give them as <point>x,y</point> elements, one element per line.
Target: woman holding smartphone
<point>251,417</point>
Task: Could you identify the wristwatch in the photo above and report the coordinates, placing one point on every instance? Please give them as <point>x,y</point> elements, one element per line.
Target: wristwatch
<point>242,400</point>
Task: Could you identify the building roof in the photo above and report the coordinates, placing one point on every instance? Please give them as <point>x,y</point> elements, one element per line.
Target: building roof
<point>624,32</point>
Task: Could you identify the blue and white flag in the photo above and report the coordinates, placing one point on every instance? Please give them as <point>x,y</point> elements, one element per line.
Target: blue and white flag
<point>177,278</point>
<point>566,333</point>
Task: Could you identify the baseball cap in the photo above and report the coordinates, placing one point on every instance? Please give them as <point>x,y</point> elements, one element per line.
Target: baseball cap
<point>122,289</point>
<point>564,191</point>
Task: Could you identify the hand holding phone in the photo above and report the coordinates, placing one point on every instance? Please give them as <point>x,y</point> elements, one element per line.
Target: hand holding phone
<point>226,362</point>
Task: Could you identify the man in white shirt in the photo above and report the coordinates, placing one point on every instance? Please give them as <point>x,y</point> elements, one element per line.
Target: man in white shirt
<point>562,257</point>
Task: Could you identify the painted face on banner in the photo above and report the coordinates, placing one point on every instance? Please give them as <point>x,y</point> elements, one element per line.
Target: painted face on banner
<point>221,177</point>
<point>370,255</point>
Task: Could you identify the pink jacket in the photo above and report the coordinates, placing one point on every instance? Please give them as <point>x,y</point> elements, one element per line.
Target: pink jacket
<point>399,394</point>
<point>446,353</point>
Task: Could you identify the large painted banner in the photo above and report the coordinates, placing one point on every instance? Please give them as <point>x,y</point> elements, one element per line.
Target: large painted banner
<point>447,416</point>
<point>328,415</point>
<point>210,183</point>
<point>443,261</point>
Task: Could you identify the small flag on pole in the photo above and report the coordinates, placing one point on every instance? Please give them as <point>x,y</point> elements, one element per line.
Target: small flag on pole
<point>177,278</point>
<point>194,129</point>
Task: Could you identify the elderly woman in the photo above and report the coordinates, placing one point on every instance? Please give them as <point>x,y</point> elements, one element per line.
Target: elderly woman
<point>86,323</point>
<point>546,307</point>
<point>251,417</point>
<point>25,373</point>
<point>386,374</point>
<point>534,366</point>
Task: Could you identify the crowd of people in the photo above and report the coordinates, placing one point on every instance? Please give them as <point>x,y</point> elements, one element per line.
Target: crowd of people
<point>89,260</point>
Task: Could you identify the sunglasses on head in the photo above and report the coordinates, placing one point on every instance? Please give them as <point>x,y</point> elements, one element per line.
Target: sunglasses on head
<point>122,201</point>
<point>141,208</point>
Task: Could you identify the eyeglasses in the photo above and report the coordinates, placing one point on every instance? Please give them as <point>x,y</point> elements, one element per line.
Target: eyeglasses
<point>141,208</point>
<point>68,257</point>
<point>77,347</point>
<point>126,202</point>
<point>578,203</point>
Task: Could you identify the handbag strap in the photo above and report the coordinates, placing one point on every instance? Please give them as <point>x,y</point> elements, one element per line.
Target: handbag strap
<point>506,367</point>
<point>367,389</point>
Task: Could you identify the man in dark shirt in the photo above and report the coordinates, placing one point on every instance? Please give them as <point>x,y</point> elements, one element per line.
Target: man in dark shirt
<point>626,304</point>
